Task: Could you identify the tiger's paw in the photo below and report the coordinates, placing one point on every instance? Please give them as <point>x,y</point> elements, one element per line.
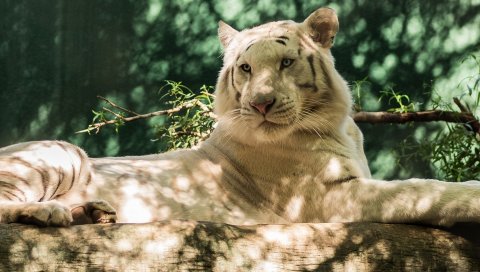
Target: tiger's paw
<point>93,212</point>
<point>50,213</point>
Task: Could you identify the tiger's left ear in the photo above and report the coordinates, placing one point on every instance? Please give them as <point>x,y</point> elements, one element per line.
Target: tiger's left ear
<point>322,25</point>
<point>225,33</point>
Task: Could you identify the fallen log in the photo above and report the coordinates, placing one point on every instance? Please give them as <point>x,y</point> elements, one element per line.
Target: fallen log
<point>206,246</point>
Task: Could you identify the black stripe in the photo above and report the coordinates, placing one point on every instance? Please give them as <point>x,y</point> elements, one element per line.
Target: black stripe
<point>18,160</point>
<point>283,110</point>
<point>74,172</point>
<point>61,174</point>
<point>233,80</point>
<point>345,179</point>
<point>238,96</point>
<point>10,196</point>
<point>45,183</point>
<point>325,74</point>
<point>248,47</point>
<point>13,188</point>
<point>334,152</point>
<point>284,38</point>
<point>307,86</point>
<point>226,81</point>
<point>45,176</point>
<point>312,69</point>
<point>281,42</point>
<point>12,175</point>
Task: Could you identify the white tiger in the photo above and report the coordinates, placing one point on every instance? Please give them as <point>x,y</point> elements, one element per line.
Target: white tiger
<point>285,150</point>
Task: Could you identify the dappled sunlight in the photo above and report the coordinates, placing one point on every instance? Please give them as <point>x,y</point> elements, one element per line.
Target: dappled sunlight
<point>294,207</point>
<point>180,185</point>
<point>134,210</point>
<point>229,185</point>
<point>414,201</point>
<point>186,245</point>
<point>333,169</point>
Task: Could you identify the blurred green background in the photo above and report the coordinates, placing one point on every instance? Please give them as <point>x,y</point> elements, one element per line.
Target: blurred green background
<point>57,55</point>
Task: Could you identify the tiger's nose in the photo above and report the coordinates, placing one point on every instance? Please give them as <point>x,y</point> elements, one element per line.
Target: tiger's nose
<point>262,106</point>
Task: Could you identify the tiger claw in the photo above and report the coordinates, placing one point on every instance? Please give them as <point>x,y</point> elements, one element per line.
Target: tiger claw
<point>93,212</point>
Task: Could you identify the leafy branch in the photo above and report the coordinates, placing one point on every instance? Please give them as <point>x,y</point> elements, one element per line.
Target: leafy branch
<point>184,100</point>
<point>403,101</point>
<point>122,115</point>
<point>120,119</point>
<point>464,117</point>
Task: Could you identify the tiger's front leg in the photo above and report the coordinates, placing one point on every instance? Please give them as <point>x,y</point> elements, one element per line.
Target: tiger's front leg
<point>40,180</point>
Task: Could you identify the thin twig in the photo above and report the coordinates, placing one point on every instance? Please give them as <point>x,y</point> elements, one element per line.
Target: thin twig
<point>117,106</point>
<point>465,116</point>
<point>206,110</point>
<point>97,126</point>
<point>114,113</point>
<point>474,124</point>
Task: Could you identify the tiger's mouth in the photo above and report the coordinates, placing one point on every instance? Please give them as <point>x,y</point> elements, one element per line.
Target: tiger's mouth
<point>273,126</point>
<point>270,125</point>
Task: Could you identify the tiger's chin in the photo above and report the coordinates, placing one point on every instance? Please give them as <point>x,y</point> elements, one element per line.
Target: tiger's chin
<point>267,131</point>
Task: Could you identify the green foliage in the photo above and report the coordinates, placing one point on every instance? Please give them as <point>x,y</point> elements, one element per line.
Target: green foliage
<point>402,101</point>
<point>455,153</point>
<point>189,118</point>
<point>191,125</point>
<point>473,82</point>
<point>454,150</point>
<point>357,87</point>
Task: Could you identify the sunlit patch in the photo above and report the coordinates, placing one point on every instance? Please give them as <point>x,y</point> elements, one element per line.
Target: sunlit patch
<point>333,169</point>
<point>131,188</point>
<point>424,204</point>
<point>40,251</point>
<point>182,183</point>
<point>254,252</point>
<point>164,212</point>
<point>268,266</point>
<point>162,247</point>
<point>294,207</point>
<point>136,210</point>
<point>276,234</point>
<point>208,178</point>
<point>124,245</point>
<point>30,194</point>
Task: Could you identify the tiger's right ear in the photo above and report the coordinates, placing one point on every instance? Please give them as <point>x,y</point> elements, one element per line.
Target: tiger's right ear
<point>225,33</point>
<point>322,26</point>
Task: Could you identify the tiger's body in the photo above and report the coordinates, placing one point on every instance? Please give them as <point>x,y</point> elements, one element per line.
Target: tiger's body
<point>285,150</point>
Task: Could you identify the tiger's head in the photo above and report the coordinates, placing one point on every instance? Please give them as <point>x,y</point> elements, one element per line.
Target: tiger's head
<point>279,78</point>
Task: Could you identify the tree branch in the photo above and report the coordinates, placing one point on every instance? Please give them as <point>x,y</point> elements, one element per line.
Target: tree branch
<point>187,105</point>
<point>207,246</point>
<point>464,117</point>
<point>418,116</point>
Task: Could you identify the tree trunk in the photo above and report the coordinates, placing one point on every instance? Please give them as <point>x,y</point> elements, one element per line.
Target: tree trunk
<point>204,246</point>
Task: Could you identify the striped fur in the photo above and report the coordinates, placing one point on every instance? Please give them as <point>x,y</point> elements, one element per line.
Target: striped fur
<point>284,150</point>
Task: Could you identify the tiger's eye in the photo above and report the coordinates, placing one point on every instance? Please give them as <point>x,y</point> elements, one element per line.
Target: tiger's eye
<point>286,63</point>
<point>246,68</point>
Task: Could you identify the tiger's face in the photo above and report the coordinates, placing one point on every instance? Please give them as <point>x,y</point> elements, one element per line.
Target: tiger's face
<point>279,78</point>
